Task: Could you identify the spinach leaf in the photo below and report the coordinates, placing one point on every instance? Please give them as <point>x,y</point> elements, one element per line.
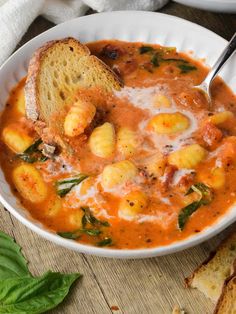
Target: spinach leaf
<point>155,60</point>
<point>34,295</point>
<point>91,232</point>
<point>205,197</point>
<point>33,153</point>
<point>69,235</point>
<point>64,186</point>
<point>145,49</point>
<point>91,219</point>
<point>105,242</point>
<point>12,262</point>
<point>186,212</point>
<point>185,68</point>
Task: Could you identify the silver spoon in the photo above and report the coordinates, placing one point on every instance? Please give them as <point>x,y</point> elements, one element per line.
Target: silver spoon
<point>225,55</point>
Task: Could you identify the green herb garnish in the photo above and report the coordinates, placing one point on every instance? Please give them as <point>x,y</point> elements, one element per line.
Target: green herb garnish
<point>20,292</point>
<point>185,68</point>
<point>205,197</point>
<point>145,49</point>
<point>155,60</point>
<point>105,242</point>
<point>64,186</point>
<point>91,232</point>
<point>69,235</point>
<point>89,218</point>
<point>33,153</point>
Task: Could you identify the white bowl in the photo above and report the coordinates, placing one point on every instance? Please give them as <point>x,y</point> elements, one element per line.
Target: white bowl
<point>226,6</point>
<point>130,26</point>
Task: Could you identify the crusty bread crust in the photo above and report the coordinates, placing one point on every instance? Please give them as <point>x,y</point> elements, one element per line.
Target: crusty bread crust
<point>215,269</point>
<point>94,72</point>
<point>227,300</point>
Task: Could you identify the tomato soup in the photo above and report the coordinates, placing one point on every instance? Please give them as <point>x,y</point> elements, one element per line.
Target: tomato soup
<point>153,163</point>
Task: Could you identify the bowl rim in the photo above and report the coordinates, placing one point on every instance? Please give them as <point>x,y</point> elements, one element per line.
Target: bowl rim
<point>173,247</point>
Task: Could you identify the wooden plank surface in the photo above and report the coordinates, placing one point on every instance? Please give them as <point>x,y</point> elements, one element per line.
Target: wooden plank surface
<point>151,286</point>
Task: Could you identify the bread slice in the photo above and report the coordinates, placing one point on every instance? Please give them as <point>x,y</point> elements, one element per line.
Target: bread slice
<point>56,72</point>
<point>227,301</point>
<point>209,277</point>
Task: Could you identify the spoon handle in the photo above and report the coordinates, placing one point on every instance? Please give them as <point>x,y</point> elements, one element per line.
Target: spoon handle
<point>225,55</point>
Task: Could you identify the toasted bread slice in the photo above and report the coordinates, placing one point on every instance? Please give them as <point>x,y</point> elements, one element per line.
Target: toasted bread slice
<point>56,71</point>
<point>210,276</point>
<point>227,301</point>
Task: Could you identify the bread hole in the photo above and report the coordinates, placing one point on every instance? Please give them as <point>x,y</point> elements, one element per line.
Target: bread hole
<point>213,287</point>
<point>67,79</point>
<point>49,96</point>
<point>55,74</point>
<point>62,95</point>
<point>55,83</point>
<point>71,48</point>
<point>64,62</point>
<point>76,78</point>
<point>52,63</point>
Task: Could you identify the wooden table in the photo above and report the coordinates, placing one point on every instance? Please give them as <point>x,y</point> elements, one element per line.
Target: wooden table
<point>150,286</point>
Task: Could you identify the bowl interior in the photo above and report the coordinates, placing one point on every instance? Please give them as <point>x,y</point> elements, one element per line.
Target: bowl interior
<point>151,28</point>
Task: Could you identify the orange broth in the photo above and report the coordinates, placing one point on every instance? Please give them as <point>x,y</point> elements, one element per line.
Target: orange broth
<point>146,72</point>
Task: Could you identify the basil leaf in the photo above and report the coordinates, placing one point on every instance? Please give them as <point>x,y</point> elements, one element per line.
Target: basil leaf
<point>91,232</point>
<point>91,219</point>
<point>186,212</point>
<point>12,262</point>
<point>34,295</point>
<point>145,49</point>
<point>64,186</point>
<point>69,235</point>
<point>154,60</point>
<point>27,158</point>
<point>105,242</point>
<point>185,68</point>
<point>203,190</point>
<point>34,147</point>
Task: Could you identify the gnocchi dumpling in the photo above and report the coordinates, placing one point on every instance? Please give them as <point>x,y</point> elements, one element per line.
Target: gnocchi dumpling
<point>102,141</point>
<point>86,185</point>
<point>78,118</point>
<point>132,204</point>
<point>161,101</point>
<point>54,206</point>
<point>127,142</point>
<point>118,173</point>
<point>20,101</point>
<point>187,157</point>
<point>155,165</point>
<point>221,117</point>
<point>29,183</point>
<point>168,123</point>
<point>16,139</point>
<point>75,218</point>
<point>215,179</point>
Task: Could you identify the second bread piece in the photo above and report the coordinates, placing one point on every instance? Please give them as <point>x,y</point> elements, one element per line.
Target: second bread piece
<point>210,276</point>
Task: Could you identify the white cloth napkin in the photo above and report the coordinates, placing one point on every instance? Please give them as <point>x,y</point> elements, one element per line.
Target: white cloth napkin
<point>17,15</point>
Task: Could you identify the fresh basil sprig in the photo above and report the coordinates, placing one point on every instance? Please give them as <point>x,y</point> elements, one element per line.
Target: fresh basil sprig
<point>185,68</point>
<point>105,242</point>
<point>205,197</point>
<point>20,292</point>
<point>64,186</point>
<point>89,218</point>
<point>33,153</point>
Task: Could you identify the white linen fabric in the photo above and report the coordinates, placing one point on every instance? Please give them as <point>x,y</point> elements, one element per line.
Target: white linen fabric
<point>17,15</point>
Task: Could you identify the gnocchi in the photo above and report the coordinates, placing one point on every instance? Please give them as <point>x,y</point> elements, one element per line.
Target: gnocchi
<point>20,102</point>
<point>54,206</point>
<point>16,139</point>
<point>188,157</point>
<point>221,117</point>
<point>29,182</point>
<point>132,204</point>
<point>155,165</point>
<point>168,123</point>
<point>78,118</point>
<point>127,142</point>
<point>215,179</point>
<point>102,141</point>
<point>75,218</point>
<point>161,101</point>
<point>118,173</point>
